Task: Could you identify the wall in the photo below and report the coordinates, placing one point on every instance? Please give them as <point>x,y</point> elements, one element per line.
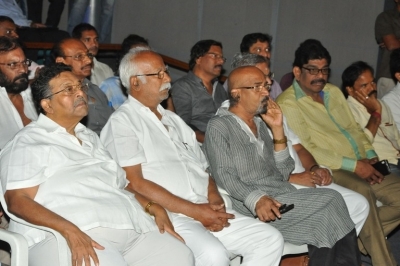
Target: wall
<point>346,28</point>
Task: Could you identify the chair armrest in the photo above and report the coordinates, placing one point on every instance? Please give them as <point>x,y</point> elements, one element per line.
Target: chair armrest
<point>19,247</point>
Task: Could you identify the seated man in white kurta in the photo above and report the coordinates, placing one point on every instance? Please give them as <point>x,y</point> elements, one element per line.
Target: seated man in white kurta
<point>16,106</point>
<point>57,174</point>
<point>164,162</point>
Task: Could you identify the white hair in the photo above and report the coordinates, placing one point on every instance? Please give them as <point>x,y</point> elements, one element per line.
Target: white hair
<point>247,59</point>
<point>128,66</point>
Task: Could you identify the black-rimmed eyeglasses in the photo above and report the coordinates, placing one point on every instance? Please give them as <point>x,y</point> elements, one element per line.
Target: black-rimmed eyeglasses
<point>315,71</point>
<point>160,74</point>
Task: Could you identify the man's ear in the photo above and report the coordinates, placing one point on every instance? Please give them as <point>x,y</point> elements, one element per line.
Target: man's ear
<point>235,94</point>
<point>60,60</point>
<point>198,61</point>
<point>397,76</point>
<point>134,83</point>
<point>46,105</point>
<point>296,72</point>
<point>350,90</point>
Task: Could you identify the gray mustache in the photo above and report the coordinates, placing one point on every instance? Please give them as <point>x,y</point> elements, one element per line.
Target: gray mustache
<point>79,101</point>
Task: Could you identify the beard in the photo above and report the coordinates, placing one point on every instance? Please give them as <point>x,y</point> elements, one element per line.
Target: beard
<point>263,107</point>
<point>15,86</point>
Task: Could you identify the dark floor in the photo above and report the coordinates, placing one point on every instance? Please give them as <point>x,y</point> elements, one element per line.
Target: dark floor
<point>394,240</point>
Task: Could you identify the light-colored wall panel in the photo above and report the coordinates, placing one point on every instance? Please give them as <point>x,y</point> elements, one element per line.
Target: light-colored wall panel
<point>346,28</point>
<point>170,26</point>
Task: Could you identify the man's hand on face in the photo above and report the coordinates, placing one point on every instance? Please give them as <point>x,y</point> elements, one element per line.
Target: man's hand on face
<point>273,117</point>
<point>267,209</point>
<point>369,101</point>
<point>212,216</point>
<point>366,171</point>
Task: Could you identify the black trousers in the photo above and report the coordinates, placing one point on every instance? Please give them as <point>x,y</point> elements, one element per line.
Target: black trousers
<point>345,252</point>
<point>54,13</point>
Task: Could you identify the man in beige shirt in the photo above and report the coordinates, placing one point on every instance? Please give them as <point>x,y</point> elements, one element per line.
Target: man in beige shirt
<point>372,115</point>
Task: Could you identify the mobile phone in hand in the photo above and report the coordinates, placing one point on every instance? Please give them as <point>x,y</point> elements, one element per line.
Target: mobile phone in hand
<point>285,208</point>
<point>382,167</point>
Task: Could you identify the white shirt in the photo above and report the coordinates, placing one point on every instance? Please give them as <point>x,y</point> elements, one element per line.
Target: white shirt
<point>392,98</point>
<point>100,72</point>
<point>10,120</point>
<point>169,157</point>
<point>386,141</point>
<point>81,183</point>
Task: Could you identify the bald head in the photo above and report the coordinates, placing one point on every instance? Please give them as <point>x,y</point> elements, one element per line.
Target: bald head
<point>74,53</point>
<point>243,77</point>
<point>246,89</point>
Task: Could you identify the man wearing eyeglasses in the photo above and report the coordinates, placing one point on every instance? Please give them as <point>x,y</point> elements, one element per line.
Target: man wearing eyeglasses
<point>16,105</point>
<point>57,174</point>
<point>89,36</point>
<point>254,169</point>
<point>198,95</point>
<point>320,116</point>
<point>164,162</point>
<point>74,53</point>
<point>9,29</point>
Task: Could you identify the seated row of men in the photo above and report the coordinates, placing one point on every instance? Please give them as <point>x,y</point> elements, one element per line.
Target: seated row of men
<point>251,157</point>
<point>95,191</point>
<point>323,122</point>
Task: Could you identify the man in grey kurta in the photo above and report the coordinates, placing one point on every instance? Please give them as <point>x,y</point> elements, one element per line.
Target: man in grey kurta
<point>254,169</point>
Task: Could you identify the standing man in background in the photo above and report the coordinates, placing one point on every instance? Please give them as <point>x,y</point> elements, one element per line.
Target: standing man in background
<point>77,15</point>
<point>387,35</point>
<point>54,13</point>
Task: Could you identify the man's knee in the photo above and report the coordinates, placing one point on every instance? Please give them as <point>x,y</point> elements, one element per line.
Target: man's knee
<point>183,258</point>
<point>213,253</point>
<point>352,181</point>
